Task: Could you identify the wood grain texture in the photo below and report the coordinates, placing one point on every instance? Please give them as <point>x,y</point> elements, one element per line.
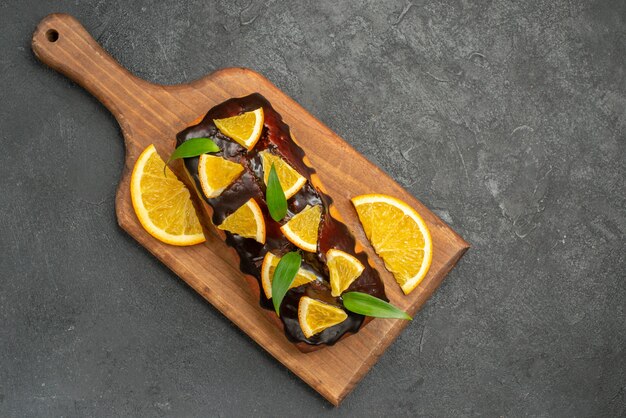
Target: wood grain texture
<point>153,114</point>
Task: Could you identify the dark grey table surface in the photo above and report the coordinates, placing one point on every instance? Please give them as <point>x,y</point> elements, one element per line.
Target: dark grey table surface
<point>506,118</point>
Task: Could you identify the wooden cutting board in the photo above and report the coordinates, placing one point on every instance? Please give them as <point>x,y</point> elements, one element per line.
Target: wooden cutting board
<point>151,113</point>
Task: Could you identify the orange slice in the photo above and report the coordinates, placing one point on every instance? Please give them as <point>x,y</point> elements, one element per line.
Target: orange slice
<point>315,316</point>
<point>245,129</point>
<point>247,221</point>
<point>343,268</point>
<point>303,228</point>
<point>162,202</point>
<point>270,262</point>
<point>290,180</point>
<point>216,174</point>
<point>399,235</point>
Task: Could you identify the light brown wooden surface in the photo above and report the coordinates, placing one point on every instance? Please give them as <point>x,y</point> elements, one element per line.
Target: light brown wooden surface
<point>150,113</point>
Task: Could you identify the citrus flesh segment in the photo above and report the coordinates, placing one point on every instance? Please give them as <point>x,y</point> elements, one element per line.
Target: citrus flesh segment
<point>343,269</point>
<point>315,316</point>
<point>290,180</point>
<point>270,261</point>
<point>245,129</point>
<point>162,203</point>
<point>216,174</point>
<point>247,221</point>
<point>399,235</point>
<point>303,228</point>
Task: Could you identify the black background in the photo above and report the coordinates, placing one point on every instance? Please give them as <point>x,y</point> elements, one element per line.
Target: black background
<point>506,118</point>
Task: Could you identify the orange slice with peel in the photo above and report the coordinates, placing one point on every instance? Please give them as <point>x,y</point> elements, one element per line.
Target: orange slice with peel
<point>399,235</point>
<point>162,203</point>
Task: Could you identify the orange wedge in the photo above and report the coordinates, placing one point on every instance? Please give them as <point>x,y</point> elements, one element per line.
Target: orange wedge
<point>315,316</point>
<point>216,174</point>
<point>290,180</point>
<point>270,261</point>
<point>245,129</point>
<point>303,228</point>
<point>247,221</point>
<point>343,268</point>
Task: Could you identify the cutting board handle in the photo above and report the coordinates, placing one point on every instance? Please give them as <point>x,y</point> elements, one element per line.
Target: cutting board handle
<point>62,43</point>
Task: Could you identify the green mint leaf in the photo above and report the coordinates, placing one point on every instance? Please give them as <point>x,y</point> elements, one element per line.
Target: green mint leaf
<point>192,148</point>
<point>284,274</point>
<point>365,304</point>
<point>275,196</point>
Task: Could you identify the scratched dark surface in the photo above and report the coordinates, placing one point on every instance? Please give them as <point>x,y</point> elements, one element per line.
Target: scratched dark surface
<point>506,118</point>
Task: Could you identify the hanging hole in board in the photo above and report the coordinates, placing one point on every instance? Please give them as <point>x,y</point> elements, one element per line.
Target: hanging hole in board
<point>52,35</point>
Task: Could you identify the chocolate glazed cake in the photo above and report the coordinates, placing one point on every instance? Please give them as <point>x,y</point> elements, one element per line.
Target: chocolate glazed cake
<point>276,138</point>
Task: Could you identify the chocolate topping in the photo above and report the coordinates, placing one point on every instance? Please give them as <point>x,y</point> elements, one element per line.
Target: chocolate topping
<point>332,233</point>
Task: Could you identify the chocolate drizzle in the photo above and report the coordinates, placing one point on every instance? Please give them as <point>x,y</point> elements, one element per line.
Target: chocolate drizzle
<point>332,233</point>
